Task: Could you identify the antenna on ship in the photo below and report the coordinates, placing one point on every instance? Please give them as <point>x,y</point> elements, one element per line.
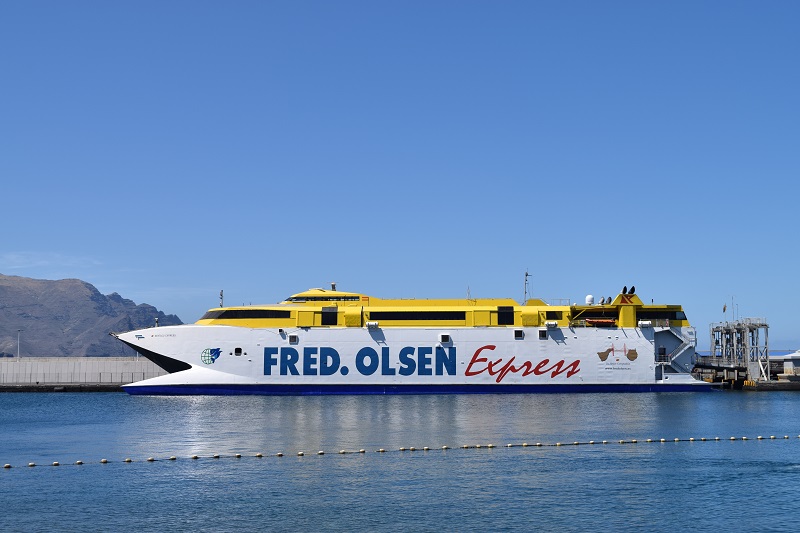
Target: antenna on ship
<point>220,299</point>
<point>525,297</point>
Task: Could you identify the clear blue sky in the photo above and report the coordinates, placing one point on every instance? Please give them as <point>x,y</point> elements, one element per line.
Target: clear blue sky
<point>167,150</point>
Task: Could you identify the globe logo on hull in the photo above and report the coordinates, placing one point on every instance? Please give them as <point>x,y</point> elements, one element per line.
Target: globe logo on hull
<point>210,355</point>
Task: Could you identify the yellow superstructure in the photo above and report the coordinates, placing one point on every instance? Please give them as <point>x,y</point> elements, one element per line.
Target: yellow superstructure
<point>331,308</point>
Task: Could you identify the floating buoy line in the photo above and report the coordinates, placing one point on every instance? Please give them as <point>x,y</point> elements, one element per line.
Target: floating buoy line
<point>403,450</point>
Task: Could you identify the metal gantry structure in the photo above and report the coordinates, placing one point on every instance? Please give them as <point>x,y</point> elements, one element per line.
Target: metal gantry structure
<point>742,343</point>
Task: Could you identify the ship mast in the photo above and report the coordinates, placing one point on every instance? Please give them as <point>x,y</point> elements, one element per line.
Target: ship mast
<point>525,297</point>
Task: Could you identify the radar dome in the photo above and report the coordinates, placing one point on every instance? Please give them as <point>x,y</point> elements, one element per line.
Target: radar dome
<point>589,299</point>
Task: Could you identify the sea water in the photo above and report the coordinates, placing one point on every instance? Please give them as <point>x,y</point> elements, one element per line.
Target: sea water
<point>734,484</point>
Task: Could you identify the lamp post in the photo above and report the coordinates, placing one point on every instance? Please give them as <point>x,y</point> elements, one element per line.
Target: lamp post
<point>18,332</point>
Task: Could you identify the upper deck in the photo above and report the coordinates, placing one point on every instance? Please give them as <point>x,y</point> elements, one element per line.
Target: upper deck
<point>330,308</point>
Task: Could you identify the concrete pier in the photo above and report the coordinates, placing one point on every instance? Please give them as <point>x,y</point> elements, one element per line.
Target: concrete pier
<point>74,373</point>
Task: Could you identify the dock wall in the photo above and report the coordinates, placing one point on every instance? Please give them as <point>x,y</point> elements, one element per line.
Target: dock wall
<point>74,373</point>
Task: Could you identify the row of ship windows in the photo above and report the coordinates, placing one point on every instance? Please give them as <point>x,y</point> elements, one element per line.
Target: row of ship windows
<point>443,338</point>
<point>505,317</point>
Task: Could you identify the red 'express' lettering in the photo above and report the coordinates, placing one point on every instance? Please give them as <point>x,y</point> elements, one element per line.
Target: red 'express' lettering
<point>500,368</point>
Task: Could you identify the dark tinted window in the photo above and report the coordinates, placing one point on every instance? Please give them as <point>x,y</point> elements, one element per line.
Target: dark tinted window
<point>324,299</point>
<point>418,315</point>
<point>661,314</point>
<point>505,315</point>
<point>329,316</point>
<point>246,313</point>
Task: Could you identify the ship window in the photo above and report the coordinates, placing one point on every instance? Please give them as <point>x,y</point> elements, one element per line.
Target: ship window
<point>418,315</point>
<point>293,339</point>
<point>664,314</point>
<point>301,299</point>
<point>505,316</point>
<point>519,334</point>
<point>329,316</point>
<point>237,352</point>
<point>444,338</point>
<point>553,315</point>
<point>542,334</point>
<point>227,314</point>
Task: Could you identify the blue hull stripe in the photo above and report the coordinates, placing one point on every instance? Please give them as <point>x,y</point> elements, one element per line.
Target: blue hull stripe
<point>321,390</point>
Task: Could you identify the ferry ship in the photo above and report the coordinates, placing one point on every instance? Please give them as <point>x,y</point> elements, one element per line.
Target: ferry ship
<point>336,342</point>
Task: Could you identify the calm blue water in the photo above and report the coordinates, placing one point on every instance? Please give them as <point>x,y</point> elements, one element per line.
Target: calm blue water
<point>655,486</point>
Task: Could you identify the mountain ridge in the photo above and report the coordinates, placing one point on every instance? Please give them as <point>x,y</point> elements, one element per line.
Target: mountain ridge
<point>68,317</point>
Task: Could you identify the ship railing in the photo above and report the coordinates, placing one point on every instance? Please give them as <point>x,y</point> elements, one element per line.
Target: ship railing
<point>668,358</point>
<point>660,322</point>
<point>593,323</point>
<point>717,360</point>
<point>740,322</point>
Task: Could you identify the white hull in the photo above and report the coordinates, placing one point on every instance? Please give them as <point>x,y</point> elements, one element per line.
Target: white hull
<point>236,360</point>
